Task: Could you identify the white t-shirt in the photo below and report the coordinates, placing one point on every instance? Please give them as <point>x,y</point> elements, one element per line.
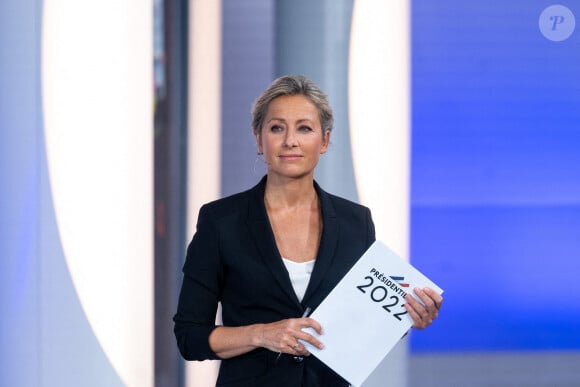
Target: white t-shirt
<point>299,275</point>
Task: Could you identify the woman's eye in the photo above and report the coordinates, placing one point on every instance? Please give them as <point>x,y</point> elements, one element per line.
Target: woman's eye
<point>305,129</point>
<point>276,128</point>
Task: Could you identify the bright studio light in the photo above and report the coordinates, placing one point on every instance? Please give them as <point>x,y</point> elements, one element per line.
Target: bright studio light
<point>97,107</point>
<point>379,111</point>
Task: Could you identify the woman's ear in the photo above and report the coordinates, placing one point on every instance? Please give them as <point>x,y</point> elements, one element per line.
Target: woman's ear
<point>325,142</point>
<point>259,143</point>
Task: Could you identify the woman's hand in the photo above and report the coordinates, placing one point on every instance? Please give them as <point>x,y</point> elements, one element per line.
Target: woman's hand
<point>282,336</point>
<point>423,315</point>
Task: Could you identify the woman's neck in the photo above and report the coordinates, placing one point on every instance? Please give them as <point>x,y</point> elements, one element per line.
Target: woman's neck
<point>291,194</point>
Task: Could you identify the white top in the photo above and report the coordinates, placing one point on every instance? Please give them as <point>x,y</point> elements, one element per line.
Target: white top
<point>299,275</point>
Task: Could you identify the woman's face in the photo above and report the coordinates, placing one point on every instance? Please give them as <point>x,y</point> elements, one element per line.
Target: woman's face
<point>291,138</point>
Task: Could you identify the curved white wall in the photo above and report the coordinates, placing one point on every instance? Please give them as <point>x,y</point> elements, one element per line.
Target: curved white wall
<point>97,101</point>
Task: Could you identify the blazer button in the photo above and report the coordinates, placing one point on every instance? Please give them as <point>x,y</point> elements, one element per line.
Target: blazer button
<point>298,359</point>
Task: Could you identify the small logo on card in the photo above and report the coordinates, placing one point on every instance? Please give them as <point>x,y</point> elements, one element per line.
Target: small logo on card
<point>400,280</point>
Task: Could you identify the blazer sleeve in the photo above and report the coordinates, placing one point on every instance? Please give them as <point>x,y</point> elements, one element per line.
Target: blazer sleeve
<point>200,291</point>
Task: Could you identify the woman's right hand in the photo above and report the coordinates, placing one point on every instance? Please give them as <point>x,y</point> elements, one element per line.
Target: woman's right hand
<point>282,336</point>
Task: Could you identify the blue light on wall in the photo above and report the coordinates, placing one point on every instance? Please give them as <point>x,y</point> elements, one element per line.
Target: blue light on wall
<point>496,175</point>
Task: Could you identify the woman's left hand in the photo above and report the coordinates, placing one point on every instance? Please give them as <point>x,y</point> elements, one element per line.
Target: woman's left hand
<point>423,315</point>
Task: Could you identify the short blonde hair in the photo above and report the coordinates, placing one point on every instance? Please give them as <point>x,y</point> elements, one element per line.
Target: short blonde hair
<point>292,85</point>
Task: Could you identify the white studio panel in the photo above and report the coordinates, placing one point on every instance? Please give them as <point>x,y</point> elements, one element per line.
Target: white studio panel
<point>379,110</point>
<point>379,113</point>
<point>97,105</point>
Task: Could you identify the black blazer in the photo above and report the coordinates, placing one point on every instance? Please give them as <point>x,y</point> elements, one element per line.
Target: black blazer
<point>233,259</point>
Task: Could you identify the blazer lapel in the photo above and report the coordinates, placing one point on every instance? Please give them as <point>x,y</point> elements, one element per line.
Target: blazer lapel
<point>261,231</point>
<point>328,243</point>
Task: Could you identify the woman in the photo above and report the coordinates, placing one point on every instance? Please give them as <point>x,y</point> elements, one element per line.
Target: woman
<point>268,253</point>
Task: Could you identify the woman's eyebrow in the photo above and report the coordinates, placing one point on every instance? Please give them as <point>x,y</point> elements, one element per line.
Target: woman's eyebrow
<point>301,120</point>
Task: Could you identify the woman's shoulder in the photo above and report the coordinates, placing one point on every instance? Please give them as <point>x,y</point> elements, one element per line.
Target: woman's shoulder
<point>235,203</point>
<point>228,203</point>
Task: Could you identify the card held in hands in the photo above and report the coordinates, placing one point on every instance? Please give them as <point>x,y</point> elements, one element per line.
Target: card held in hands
<point>364,315</point>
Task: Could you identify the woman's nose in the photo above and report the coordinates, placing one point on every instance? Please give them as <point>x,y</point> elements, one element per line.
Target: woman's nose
<point>290,138</point>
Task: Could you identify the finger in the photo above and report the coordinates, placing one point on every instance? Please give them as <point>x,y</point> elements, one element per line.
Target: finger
<point>428,302</point>
<point>307,322</point>
<point>300,349</point>
<point>421,318</point>
<point>417,321</point>
<point>297,346</point>
<point>286,336</point>
<point>417,306</point>
<point>436,297</point>
<point>308,338</point>
<point>289,344</point>
<point>293,332</point>
<point>294,347</point>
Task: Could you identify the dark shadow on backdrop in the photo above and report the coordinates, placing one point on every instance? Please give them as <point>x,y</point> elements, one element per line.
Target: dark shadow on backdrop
<point>170,144</point>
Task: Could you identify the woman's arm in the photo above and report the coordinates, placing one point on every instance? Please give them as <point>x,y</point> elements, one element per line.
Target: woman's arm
<point>200,291</point>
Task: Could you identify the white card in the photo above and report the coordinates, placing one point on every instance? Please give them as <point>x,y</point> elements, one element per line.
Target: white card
<point>364,317</point>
